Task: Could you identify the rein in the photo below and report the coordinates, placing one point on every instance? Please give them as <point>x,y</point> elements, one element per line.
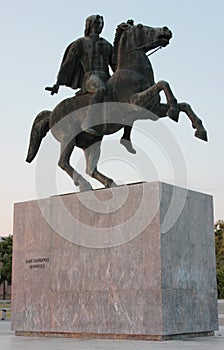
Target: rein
<point>149,54</point>
<point>158,48</point>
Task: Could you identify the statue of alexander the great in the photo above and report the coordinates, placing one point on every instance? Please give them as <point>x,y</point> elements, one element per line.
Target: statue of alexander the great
<point>86,64</point>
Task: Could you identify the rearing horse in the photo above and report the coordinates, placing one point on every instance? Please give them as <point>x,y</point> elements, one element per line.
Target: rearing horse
<point>131,94</point>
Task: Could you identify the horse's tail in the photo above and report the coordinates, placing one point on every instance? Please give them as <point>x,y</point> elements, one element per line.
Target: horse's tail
<point>38,132</point>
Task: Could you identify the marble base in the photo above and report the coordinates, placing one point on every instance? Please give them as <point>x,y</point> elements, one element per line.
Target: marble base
<point>134,262</point>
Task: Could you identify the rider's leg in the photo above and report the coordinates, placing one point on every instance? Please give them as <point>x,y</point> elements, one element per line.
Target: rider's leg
<point>97,87</point>
<point>126,139</point>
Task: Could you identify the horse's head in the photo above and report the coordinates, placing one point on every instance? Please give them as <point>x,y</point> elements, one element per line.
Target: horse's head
<point>137,37</point>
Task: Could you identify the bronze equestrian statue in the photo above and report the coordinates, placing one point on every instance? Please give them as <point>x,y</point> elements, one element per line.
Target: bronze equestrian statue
<point>131,94</point>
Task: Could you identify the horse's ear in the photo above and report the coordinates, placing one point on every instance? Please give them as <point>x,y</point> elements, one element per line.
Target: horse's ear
<point>130,21</point>
<point>124,26</point>
<point>140,26</point>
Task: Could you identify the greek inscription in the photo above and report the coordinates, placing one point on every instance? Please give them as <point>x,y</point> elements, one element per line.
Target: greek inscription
<point>37,263</point>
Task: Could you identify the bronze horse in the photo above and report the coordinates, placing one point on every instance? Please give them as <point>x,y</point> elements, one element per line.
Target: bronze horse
<point>132,86</point>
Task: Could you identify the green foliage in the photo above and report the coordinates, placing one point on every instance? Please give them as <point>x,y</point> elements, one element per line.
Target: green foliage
<point>219,250</point>
<point>220,282</point>
<point>6,259</point>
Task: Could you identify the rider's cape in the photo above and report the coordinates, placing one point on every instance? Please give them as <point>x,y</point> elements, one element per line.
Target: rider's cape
<point>71,71</point>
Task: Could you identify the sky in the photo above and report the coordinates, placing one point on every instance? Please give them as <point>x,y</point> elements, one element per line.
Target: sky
<point>34,35</point>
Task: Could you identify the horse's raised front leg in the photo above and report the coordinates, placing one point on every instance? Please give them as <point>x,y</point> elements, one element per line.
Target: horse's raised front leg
<point>92,155</point>
<point>186,108</point>
<point>196,122</point>
<point>146,98</point>
<point>64,163</point>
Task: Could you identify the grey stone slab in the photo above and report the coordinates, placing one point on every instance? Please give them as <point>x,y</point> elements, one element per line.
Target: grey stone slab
<point>188,311</point>
<point>136,312</point>
<point>221,306</point>
<point>88,312</point>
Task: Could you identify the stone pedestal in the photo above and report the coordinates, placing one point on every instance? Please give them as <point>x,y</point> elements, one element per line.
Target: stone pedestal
<point>137,261</point>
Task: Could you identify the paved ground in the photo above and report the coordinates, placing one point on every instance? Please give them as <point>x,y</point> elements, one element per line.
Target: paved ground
<point>9,342</point>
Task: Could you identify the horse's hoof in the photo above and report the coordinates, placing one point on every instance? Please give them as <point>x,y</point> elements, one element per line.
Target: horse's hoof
<point>201,134</point>
<point>128,145</point>
<point>85,187</point>
<point>173,113</point>
<point>110,184</point>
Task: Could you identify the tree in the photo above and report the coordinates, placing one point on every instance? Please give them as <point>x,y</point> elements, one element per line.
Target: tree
<point>6,261</point>
<point>219,250</point>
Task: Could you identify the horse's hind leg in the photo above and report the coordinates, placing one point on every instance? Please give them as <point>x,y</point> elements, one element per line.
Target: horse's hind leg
<point>64,163</point>
<point>92,155</point>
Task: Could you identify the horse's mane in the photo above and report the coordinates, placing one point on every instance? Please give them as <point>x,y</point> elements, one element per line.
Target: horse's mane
<point>119,31</point>
<point>121,28</point>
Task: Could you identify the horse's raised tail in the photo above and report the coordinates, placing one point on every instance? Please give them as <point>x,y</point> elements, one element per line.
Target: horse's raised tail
<point>39,130</point>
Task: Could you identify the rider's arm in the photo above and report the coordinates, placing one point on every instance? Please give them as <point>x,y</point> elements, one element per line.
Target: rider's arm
<point>71,55</point>
<point>70,58</point>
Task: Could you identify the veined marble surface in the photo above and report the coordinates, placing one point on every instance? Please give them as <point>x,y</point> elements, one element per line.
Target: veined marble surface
<point>148,267</point>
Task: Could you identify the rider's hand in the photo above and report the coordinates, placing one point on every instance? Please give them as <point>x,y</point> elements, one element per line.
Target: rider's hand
<point>53,89</point>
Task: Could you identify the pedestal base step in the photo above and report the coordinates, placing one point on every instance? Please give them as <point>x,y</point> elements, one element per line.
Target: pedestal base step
<point>114,336</point>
